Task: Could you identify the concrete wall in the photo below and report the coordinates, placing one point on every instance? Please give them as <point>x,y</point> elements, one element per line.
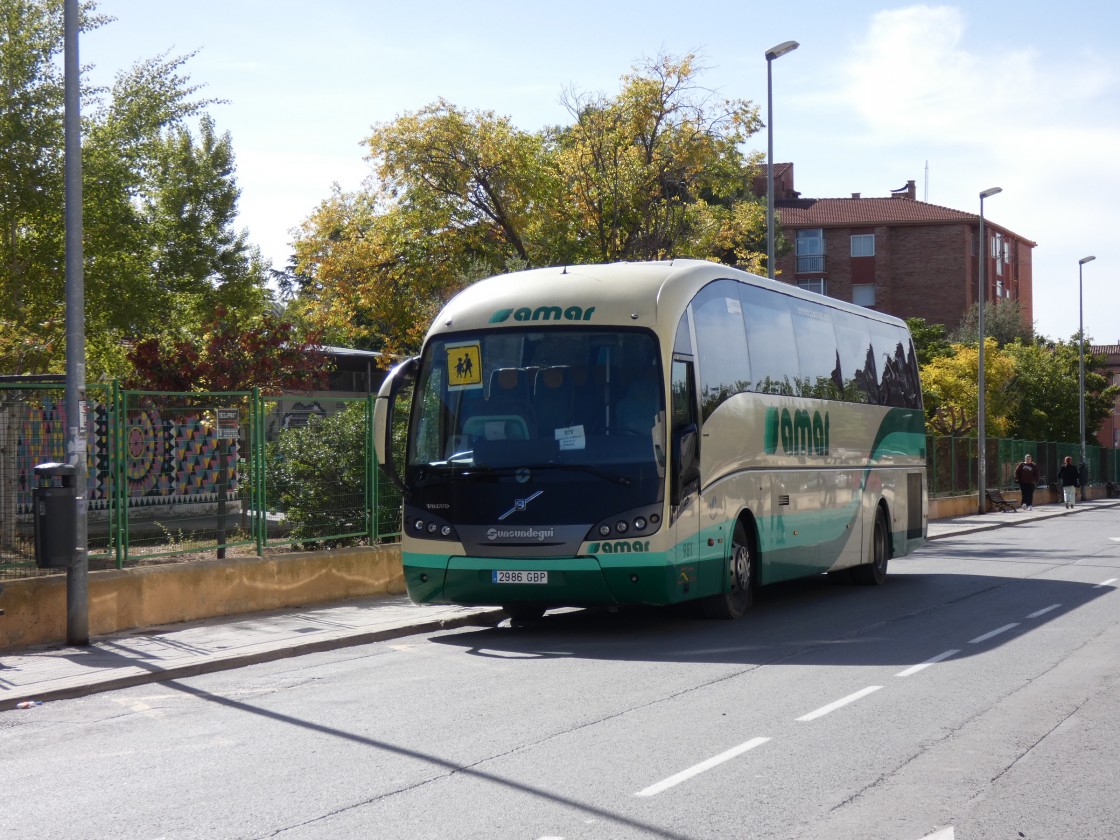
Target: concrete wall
<point>151,596</point>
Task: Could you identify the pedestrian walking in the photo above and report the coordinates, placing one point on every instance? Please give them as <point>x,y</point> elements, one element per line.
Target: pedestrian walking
<point>1026,474</point>
<point>1070,479</point>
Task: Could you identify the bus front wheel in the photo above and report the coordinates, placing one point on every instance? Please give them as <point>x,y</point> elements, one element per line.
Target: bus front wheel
<point>875,572</point>
<point>736,600</point>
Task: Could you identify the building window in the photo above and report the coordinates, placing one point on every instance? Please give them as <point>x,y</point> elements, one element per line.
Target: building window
<point>863,244</point>
<point>863,294</point>
<point>810,250</point>
<point>817,284</point>
<point>997,252</point>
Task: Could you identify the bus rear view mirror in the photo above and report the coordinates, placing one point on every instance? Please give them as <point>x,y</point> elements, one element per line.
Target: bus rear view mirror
<point>399,378</point>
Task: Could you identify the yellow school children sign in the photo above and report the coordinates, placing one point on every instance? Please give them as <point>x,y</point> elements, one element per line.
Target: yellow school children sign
<point>464,365</point>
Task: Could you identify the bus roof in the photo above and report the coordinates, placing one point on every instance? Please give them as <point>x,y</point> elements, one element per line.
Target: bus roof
<point>624,293</point>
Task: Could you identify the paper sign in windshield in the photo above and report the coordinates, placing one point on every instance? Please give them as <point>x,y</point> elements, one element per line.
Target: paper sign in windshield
<point>571,437</point>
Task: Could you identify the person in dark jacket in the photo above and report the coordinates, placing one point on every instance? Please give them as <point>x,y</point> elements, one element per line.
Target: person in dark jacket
<point>1026,474</point>
<point>1068,475</point>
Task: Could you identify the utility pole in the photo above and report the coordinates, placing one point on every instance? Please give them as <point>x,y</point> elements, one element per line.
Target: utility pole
<point>77,573</point>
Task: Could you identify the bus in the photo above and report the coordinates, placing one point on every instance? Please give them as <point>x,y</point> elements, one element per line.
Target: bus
<point>651,433</point>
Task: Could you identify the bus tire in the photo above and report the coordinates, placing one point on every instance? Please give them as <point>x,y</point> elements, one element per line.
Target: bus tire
<point>875,572</point>
<point>735,602</point>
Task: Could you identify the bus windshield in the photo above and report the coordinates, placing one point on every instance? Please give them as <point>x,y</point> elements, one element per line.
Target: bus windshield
<point>538,398</point>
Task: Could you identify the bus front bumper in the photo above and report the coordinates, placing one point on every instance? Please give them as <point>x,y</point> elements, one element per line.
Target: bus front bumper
<point>571,581</point>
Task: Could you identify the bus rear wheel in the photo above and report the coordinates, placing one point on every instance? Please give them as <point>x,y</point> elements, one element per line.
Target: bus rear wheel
<point>875,572</point>
<point>736,600</point>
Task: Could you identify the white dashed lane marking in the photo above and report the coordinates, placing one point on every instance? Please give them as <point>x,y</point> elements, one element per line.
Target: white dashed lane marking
<point>697,769</point>
<point>913,669</point>
<point>995,632</point>
<point>839,704</point>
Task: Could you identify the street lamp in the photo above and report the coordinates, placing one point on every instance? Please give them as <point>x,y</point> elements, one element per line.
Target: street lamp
<point>771,54</point>
<point>1081,365</point>
<point>981,461</point>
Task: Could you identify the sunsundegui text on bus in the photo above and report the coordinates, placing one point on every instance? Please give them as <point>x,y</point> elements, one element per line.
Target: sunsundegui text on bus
<point>651,433</point>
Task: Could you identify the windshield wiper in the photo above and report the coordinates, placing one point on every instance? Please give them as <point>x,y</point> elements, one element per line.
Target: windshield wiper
<point>456,469</point>
<point>555,465</point>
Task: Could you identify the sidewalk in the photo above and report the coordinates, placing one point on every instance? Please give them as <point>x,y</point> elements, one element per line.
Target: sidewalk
<point>185,650</point>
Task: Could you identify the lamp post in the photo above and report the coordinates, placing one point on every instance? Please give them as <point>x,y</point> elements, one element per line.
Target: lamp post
<point>771,54</point>
<point>1081,365</point>
<point>981,460</point>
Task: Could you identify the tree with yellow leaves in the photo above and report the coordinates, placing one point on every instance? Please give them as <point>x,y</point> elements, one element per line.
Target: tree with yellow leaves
<point>950,387</point>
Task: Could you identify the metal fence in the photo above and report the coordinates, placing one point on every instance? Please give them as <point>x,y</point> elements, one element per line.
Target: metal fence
<point>180,476</point>
<point>174,476</point>
<point>951,462</point>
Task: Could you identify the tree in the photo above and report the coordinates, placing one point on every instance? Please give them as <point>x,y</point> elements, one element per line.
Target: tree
<point>654,172</point>
<point>951,388</point>
<point>1046,381</point>
<point>657,171</point>
<point>264,352</point>
<point>931,341</point>
<point>158,205</point>
<point>31,184</point>
<point>1003,321</point>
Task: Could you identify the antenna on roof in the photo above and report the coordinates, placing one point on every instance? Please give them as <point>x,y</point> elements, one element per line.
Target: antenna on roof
<point>925,190</point>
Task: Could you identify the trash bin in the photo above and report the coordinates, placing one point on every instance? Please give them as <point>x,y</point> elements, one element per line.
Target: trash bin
<point>55,511</point>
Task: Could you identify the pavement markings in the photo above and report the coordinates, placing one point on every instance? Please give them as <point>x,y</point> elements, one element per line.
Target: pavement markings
<point>832,707</point>
<point>1105,583</point>
<point>943,834</point>
<point>697,769</point>
<point>913,669</point>
<point>1043,611</point>
<point>995,632</point>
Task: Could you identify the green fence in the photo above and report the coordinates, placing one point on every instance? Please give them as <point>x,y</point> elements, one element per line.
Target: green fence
<point>951,462</point>
<point>180,476</point>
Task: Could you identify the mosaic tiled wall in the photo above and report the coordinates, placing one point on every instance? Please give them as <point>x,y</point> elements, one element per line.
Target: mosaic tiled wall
<point>170,457</point>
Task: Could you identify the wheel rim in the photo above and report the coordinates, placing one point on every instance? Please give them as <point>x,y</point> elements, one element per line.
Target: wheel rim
<point>740,569</point>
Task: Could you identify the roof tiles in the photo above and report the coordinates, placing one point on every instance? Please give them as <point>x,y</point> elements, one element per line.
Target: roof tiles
<point>850,212</point>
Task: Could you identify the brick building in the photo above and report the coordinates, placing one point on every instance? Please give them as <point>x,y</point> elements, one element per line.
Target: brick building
<point>1109,432</point>
<point>897,254</point>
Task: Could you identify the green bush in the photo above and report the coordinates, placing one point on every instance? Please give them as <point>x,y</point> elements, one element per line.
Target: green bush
<point>316,477</point>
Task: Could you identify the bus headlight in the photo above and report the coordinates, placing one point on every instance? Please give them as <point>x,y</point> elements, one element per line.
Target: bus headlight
<point>421,523</point>
<point>639,522</point>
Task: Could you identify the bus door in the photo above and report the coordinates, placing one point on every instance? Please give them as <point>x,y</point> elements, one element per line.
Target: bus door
<point>684,481</point>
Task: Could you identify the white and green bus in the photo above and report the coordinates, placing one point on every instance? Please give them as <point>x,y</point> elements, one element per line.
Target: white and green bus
<point>652,433</point>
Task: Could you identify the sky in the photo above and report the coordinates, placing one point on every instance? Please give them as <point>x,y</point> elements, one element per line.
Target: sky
<point>958,97</point>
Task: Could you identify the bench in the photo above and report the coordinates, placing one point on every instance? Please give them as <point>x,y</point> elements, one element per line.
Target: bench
<point>996,500</point>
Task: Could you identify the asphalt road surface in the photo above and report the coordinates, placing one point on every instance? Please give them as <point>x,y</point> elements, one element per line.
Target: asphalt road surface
<point>976,694</point>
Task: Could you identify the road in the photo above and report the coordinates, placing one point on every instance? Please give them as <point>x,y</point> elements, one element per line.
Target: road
<point>975,695</point>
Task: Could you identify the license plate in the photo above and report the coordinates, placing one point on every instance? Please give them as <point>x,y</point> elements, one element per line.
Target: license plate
<point>510,576</point>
